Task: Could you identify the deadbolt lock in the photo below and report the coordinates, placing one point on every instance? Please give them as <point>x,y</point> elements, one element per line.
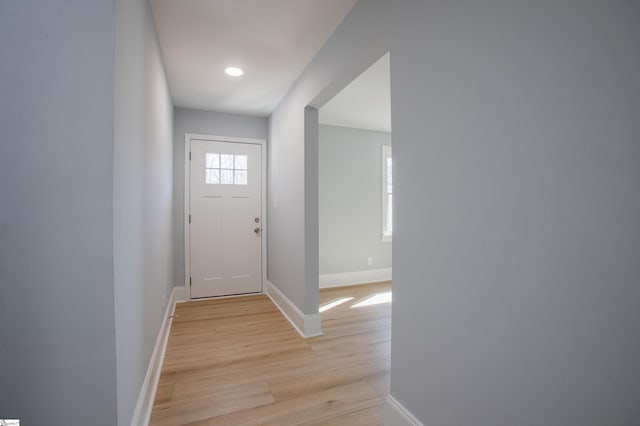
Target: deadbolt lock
<point>256,220</point>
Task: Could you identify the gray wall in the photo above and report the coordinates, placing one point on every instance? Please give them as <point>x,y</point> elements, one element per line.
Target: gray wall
<point>350,192</point>
<point>517,238</point>
<point>358,42</point>
<point>57,340</point>
<point>207,123</point>
<point>142,194</point>
<point>86,212</point>
<point>517,300</point>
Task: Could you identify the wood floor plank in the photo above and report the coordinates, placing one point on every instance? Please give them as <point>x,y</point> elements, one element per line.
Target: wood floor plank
<point>314,407</point>
<point>266,342</point>
<point>238,361</point>
<point>213,403</point>
<point>369,416</point>
<point>164,392</point>
<point>324,379</point>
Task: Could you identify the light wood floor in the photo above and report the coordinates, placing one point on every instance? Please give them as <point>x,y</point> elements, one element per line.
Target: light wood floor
<point>239,362</point>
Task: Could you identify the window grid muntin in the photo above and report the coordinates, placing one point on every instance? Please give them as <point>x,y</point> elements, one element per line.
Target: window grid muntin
<point>226,169</point>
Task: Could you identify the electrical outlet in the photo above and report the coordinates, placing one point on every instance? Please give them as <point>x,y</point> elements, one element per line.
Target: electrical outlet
<point>164,300</point>
<point>369,260</point>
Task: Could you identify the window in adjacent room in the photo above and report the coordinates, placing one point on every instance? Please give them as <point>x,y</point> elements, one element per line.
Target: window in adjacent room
<point>387,194</point>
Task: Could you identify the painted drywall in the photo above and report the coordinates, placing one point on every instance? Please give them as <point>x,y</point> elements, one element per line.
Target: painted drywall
<point>143,222</point>
<point>365,103</point>
<point>57,339</point>
<point>205,123</point>
<point>516,240</point>
<point>350,196</point>
<point>517,299</point>
<point>359,41</point>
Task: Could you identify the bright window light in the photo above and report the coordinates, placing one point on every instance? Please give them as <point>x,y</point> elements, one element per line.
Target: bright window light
<point>234,71</point>
<point>387,194</point>
<point>377,299</point>
<point>333,304</point>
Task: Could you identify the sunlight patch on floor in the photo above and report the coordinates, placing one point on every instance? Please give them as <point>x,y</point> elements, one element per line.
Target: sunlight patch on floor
<point>374,300</point>
<point>335,303</point>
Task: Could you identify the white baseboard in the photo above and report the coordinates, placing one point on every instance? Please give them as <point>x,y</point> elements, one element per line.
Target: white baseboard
<point>180,294</point>
<point>357,277</point>
<point>142,413</point>
<point>306,325</point>
<point>396,415</point>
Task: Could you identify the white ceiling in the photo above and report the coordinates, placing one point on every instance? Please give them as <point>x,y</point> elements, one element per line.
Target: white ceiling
<point>272,40</point>
<point>365,103</point>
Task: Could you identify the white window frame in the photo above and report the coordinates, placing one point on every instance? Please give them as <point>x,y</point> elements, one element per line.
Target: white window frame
<point>387,198</point>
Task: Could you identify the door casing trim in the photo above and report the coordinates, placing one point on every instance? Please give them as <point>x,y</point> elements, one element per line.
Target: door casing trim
<point>188,137</point>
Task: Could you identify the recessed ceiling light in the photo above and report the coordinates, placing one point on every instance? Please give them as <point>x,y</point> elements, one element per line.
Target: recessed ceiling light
<point>234,71</point>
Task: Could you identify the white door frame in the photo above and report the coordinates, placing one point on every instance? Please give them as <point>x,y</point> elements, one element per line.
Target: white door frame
<point>187,191</point>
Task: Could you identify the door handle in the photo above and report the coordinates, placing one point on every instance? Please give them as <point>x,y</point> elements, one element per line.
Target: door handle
<point>257,231</point>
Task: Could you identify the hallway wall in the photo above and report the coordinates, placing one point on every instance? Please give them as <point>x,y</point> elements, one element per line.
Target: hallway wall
<point>142,197</point>
<point>57,338</point>
<point>521,135</point>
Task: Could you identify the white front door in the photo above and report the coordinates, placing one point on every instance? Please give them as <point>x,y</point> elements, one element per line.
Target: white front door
<point>225,230</point>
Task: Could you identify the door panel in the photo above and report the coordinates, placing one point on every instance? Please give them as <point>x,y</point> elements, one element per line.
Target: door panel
<point>225,202</point>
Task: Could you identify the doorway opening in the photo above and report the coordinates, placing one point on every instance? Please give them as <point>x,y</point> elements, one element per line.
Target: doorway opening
<point>355,211</point>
